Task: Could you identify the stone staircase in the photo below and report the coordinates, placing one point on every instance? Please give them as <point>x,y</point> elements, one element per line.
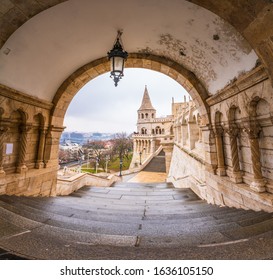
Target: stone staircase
<point>157,164</point>
<point>131,221</point>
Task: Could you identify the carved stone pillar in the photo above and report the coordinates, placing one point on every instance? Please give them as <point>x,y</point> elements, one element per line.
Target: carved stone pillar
<point>175,128</point>
<point>21,166</point>
<point>236,175</point>
<point>153,146</point>
<point>40,157</point>
<point>221,169</point>
<point>200,135</point>
<point>179,140</point>
<point>168,149</point>
<point>253,129</point>
<point>184,133</point>
<point>137,146</point>
<point>3,131</point>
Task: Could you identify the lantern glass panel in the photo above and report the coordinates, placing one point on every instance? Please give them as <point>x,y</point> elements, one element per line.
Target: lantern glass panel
<point>118,64</point>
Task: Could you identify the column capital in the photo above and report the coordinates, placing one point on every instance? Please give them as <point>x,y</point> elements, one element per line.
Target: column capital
<point>252,128</point>
<point>3,129</point>
<point>232,130</point>
<point>218,130</point>
<point>25,127</point>
<point>43,130</point>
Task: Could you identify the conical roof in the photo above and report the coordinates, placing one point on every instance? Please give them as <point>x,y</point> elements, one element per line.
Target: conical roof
<point>146,101</point>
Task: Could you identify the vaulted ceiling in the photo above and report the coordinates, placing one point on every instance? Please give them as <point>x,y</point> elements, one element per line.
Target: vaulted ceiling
<point>43,42</point>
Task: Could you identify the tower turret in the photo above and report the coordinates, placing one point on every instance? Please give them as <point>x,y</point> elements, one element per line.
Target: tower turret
<point>146,111</point>
<point>146,114</point>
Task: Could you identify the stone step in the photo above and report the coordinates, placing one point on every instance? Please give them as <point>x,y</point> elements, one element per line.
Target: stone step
<point>250,230</point>
<point>127,215</point>
<point>157,164</point>
<point>67,222</point>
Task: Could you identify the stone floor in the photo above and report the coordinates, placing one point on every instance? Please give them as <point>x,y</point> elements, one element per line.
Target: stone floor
<point>148,177</point>
<point>131,221</point>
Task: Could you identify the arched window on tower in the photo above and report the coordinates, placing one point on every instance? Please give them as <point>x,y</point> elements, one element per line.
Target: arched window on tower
<point>157,130</point>
<point>146,115</point>
<point>143,130</point>
<point>142,116</point>
<point>171,130</point>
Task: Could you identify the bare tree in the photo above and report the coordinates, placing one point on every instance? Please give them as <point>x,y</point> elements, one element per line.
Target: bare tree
<point>122,145</point>
<point>97,152</point>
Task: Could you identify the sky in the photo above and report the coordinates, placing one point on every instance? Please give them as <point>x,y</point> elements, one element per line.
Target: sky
<point>101,107</point>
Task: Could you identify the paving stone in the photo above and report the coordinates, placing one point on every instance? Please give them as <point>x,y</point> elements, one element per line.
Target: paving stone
<point>9,256</point>
<point>8,229</point>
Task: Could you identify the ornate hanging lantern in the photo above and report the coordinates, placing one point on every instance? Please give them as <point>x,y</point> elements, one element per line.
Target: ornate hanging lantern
<point>117,57</point>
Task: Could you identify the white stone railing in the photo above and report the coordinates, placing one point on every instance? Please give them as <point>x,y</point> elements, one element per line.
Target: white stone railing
<point>72,182</point>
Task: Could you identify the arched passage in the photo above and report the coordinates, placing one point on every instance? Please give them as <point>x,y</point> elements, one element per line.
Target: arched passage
<point>222,69</point>
<point>250,19</point>
<point>86,73</point>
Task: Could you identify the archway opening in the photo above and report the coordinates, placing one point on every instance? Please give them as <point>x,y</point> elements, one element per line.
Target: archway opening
<point>99,111</point>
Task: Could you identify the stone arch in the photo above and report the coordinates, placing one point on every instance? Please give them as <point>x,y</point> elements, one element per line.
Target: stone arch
<point>158,130</point>
<point>241,16</point>
<point>86,73</point>
<point>143,130</point>
<point>259,107</point>
<point>194,119</point>
<point>234,113</point>
<point>19,116</point>
<point>218,118</point>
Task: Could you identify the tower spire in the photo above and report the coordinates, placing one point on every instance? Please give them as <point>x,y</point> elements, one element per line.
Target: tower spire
<point>146,101</point>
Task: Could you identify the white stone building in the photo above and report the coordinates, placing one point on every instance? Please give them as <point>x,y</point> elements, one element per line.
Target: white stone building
<point>159,133</point>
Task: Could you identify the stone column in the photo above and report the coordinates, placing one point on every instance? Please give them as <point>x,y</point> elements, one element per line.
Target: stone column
<point>175,133</point>
<point>184,132</point>
<point>168,149</point>
<point>236,175</point>
<point>3,131</point>
<point>137,146</point>
<point>134,146</point>
<point>40,157</point>
<point>153,146</point>
<point>221,169</point>
<point>179,134</point>
<point>200,135</point>
<point>21,166</point>
<point>253,130</point>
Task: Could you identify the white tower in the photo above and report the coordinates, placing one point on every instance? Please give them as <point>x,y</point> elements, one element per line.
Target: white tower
<point>146,114</point>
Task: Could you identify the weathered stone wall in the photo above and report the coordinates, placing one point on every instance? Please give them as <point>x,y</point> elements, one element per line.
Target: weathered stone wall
<point>237,167</point>
<point>186,167</point>
<point>28,145</point>
<point>246,112</point>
